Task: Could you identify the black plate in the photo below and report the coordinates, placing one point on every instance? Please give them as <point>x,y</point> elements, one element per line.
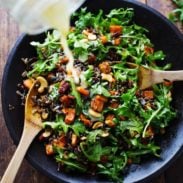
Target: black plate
<point>165,37</point>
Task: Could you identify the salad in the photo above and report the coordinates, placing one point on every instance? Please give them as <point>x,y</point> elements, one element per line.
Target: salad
<point>105,123</point>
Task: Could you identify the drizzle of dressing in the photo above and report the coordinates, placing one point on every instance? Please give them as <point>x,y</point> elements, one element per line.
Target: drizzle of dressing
<point>58,16</point>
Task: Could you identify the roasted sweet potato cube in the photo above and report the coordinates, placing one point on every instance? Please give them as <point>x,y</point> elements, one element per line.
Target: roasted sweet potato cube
<point>84,119</point>
<point>49,149</point>
<point>148,94</point>
<point>97,103</point>
<point>116,29</point>
<point>70,114</point>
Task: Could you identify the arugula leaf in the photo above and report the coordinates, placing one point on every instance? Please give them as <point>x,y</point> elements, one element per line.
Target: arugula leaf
<point>113,169</point>
<point>70,163</point>
<point>76,94</point>
<point>99,89</point>
<point>59,125</point>
<point>78,128</point>
<point>92,153</point>
<point>92,135</point>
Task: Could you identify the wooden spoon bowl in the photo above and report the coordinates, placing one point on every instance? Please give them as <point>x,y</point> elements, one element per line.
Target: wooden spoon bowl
<point>32,126</point>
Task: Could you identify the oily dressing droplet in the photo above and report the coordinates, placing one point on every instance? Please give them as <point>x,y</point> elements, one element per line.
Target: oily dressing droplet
<point>57,15</point>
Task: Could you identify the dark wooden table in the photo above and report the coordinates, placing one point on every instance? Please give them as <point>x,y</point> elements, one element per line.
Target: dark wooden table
<point>8,35</point>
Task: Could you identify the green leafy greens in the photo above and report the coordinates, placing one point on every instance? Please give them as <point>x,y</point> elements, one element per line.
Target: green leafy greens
<point>104,123</point>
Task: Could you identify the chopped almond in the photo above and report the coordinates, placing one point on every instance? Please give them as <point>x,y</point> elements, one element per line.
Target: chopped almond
<point>117,41</point>
<point>86,121</point>
<point>109,120</point>
<point>83,91</point>
<point>148,94</point>
<point>70,114</point>
<point>103,39</point>
<point>97,103</point>
<point>105,67</point>
<point>116,29</point>
<point>66,100</point>
<point>49,149</point>
<point>28,83</point>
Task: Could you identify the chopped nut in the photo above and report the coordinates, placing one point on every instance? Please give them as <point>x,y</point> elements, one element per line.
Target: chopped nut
<point>83,138</point>
<point>92,37</point>
<point>44,115</point>
<point>94,113</point>
<point>105,134</point>
<point>43,84</point>
<point>46,133</point>
<point>107,77</point>
<point>74,139</point>
<point>97,125</point>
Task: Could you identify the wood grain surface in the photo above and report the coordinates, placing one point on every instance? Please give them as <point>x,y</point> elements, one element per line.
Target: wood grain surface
<point>27,174</point>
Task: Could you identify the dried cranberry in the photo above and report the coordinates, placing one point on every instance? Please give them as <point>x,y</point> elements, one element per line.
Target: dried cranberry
<point>64,87</point>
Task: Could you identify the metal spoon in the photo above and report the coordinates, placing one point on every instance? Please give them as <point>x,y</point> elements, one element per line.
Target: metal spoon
<point>32,126</point>
<point>148,77</point>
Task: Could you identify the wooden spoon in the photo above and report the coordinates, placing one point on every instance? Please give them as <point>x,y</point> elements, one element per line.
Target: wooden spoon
<point>32,126</point>
<point>148,77</point>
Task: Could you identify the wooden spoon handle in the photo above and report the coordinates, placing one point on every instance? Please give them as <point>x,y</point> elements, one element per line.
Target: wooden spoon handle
<point>160,76</point>
<point>28,135</point>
